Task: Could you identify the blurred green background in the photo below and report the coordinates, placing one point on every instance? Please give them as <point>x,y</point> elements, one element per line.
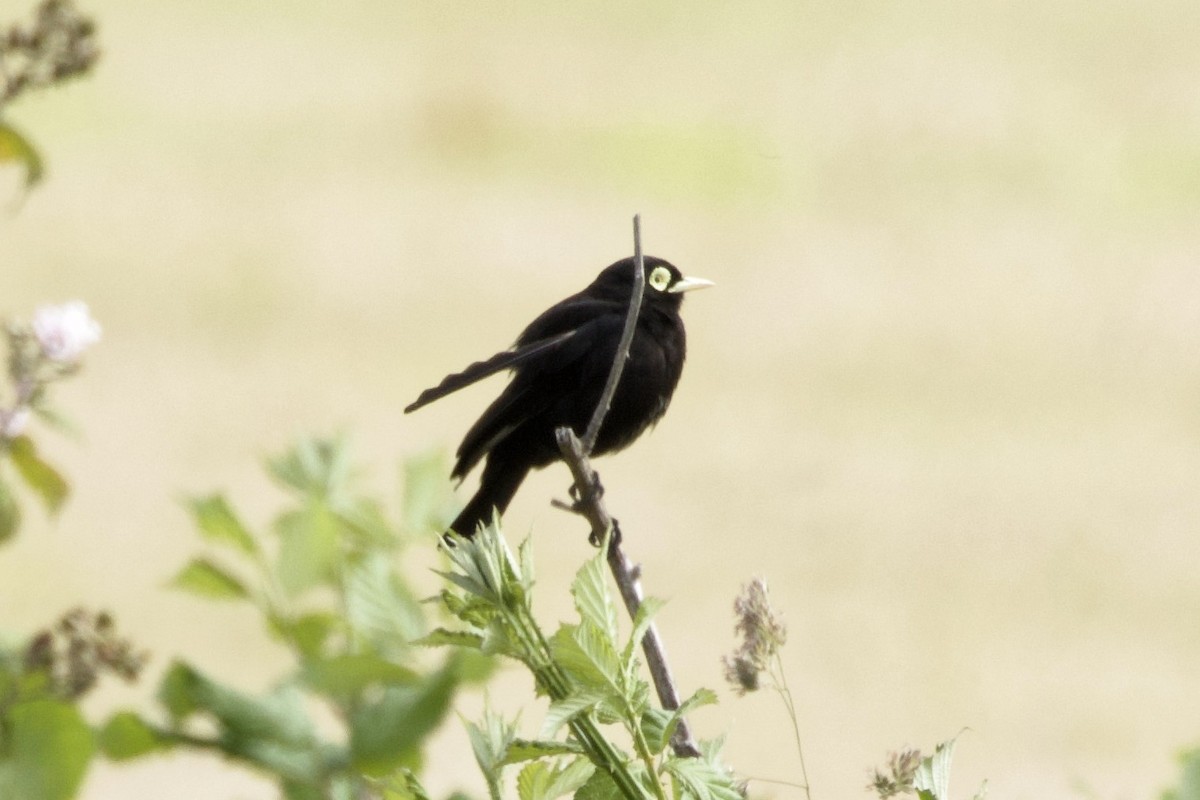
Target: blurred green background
<point>945,397</point>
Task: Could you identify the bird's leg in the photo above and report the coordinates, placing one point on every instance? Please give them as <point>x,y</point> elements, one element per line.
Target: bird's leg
<point>614,538</point>
<point>592,493</point>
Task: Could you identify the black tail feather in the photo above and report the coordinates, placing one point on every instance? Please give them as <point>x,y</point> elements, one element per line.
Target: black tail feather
<point>496,489</point>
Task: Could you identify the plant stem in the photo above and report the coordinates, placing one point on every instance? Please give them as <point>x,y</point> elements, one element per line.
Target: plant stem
<point>781,686</point>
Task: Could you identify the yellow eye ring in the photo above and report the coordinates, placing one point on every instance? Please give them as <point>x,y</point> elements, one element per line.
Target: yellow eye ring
<point>660,279</point>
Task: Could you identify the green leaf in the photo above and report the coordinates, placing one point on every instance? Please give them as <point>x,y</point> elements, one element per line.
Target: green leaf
<point>218,523</point>
<point>49,748</point>
<point>39,476</point>
<point>657,726</point>
<point>351,674</point>
<point>389,733</point>
<point>489,742</point>
<point>442,636</point>
<point>933,776</point>
<point>641,623</point>
<point>563,711</point>
<point>126,736</point>
<point>699,779</point>
<point>401,785</point>
<point>599,786</point>
<point>16,148</point>
<point>527,749</point>
<point>308,551</point>
<point>308,632</point>
<point>379,606</point>
<point>10,513</point>
<point>589,657</point>
<point>318,468</point>
<point>592,598</point>
<point>177,692</point>
<point>542,780</point>
<point>206,579</point>
<point>278,718</point>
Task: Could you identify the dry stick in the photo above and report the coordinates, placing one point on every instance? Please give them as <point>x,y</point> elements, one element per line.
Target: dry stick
<point>575,453</point>
<point>624,573</point>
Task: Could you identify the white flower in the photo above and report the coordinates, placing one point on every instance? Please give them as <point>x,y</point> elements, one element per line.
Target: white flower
<point>65,331</point>
<point>12,423</point>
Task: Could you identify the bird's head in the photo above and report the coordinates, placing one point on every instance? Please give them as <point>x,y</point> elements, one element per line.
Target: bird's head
<point>664,282</point>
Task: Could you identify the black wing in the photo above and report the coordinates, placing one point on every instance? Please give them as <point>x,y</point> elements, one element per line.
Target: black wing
<point>544,394</point>
<point>481,369</point>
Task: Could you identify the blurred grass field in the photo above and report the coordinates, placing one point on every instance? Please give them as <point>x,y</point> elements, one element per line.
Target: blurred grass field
<point>945,398</point>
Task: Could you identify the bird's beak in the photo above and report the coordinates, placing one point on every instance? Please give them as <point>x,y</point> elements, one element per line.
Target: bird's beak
<point>688,284</point>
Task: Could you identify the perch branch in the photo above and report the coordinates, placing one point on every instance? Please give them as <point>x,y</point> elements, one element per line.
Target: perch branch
<point>591,506</point>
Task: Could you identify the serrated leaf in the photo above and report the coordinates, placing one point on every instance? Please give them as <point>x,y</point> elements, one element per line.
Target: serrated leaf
<point>700,780</point>
<point>525,558</point>
<point>491,740</point>
<point>15,148</point>
<point>218,523</point>
<point>126,736</point>
<point>563,711</point>
<point>933,775</point>
<point>39,476</point>
<point>527,749</point>
<point>592,599</point>
<point>443,637</point>
<point>203,577</point>
<point>542,780</point>
<point>599,786</point>
<point>588,657</point>
<point>657,726</point>
<point>701,697</point>
<point>641,623</point>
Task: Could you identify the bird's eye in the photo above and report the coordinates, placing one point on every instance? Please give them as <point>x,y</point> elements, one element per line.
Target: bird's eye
<point>660,278</point>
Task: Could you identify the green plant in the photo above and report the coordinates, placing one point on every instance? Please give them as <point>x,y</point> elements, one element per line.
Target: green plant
<point>329,587</point>
<point>926,778</point>
<point>591,676</point>
<point>41,352</point>
<point>45,742</point>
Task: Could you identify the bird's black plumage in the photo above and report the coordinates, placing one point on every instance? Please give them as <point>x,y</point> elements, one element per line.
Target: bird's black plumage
<point>560,364</point>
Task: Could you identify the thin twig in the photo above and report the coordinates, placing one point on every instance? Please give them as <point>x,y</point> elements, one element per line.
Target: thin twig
<point>618,365</point>
<point>590,505</point>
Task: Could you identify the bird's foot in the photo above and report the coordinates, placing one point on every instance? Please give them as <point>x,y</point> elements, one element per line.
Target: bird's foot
<point>591,494</point>
<point>614,538</point>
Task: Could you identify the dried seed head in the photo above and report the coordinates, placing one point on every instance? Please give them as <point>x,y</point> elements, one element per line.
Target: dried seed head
<point>762,632</point>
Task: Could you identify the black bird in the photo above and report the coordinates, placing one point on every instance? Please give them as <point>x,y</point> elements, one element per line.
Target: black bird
<point>560,364</point>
